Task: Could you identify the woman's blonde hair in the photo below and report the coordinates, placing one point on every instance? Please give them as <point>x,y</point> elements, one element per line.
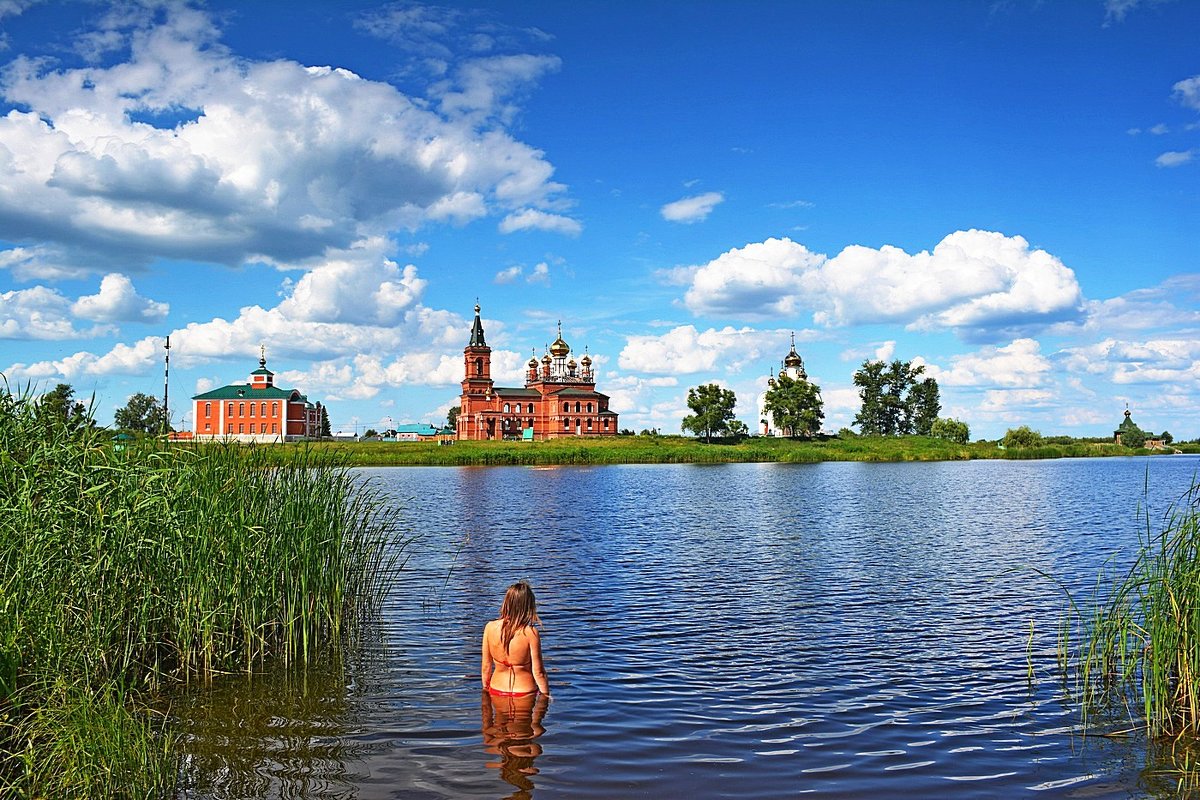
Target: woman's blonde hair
<point>519,611</point>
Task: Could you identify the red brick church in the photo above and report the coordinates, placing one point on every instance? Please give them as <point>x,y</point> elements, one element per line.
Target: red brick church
<point>559,398</point>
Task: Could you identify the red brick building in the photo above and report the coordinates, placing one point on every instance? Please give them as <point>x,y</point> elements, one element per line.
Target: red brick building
<point>256,411</point>
<point>559,397</point>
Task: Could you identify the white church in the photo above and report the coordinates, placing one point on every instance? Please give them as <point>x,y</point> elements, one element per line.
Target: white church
<point>791,366</point>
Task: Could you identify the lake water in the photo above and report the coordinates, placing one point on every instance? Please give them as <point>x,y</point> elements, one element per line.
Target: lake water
<point>749,631</point>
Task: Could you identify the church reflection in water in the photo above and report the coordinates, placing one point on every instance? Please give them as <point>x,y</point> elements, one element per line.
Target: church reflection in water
<point>511,728</point>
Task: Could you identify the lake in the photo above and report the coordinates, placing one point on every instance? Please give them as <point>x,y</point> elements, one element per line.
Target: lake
<point>743,630</point>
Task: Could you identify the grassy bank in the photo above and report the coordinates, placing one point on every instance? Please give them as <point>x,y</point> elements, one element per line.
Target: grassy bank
<point>686,450</point>
<point>126,572</point>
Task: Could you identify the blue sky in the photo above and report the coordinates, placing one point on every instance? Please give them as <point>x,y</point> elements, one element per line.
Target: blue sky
<point>1005,192</point>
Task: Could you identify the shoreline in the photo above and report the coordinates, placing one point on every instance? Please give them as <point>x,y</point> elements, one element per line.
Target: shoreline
<point>686,450</point>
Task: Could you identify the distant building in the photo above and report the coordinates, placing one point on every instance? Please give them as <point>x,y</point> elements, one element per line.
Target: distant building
<point>1128,426</point>
<point>420,432</point>
<point>559,397</point>
<point>255,411</point>
<point>793,367</point>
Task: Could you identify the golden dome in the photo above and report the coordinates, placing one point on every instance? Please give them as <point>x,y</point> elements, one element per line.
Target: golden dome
<point>586,359</point>
<point>571,363</point>
<point>546,358</point>
<point>532,363</point>
<point>559,348</point>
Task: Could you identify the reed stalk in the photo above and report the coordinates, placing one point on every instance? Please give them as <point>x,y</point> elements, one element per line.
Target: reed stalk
<point>125,572</point>
<point>1137,645</point>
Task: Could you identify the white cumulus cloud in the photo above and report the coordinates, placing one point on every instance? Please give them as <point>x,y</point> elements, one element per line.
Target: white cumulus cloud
<point>981,284</point>
<point>118,301</point>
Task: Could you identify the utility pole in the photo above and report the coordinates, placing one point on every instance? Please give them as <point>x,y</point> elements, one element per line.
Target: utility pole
<point>166,387</point>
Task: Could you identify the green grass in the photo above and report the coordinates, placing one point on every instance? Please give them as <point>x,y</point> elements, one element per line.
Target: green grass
<point>686,450</point>
<point>127,572</point>
<point>1137,645</point>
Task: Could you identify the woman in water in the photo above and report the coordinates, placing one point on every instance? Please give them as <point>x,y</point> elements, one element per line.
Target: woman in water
<point>512,649</point>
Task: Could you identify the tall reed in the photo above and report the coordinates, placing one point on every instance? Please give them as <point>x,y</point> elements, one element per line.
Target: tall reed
<point>1138,642</point>
<point>125,571</point>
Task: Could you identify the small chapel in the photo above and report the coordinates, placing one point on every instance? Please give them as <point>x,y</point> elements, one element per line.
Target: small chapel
<point>793,367</point>
<point>559,397</point>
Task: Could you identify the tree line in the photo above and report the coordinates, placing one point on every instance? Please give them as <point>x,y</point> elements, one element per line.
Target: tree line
<point>896,401</point>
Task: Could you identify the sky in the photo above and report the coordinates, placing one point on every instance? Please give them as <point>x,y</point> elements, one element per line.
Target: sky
<point>1006,193</point>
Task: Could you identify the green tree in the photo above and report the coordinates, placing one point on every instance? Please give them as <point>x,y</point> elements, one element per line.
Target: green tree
<point>951,430</point>
<point>1134,438</point>
<point>795,405</point>
<point>326,432</point>
<point>142,414</point>
<point>1167,437</point>
<point>738,428</point>
<point>58,406</point>
<point>1023,436</point>
<point>370,433</point>
<point>893,401</point>
<point>712,409</point>
<point>452,417</point>
<point>923,404</point>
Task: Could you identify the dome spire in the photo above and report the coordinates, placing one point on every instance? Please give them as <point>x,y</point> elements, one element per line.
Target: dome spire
<point>477,330</point>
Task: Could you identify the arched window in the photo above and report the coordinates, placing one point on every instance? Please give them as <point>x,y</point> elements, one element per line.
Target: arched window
<point>566,407</point>
<point>241,409</point>
<point>275,409</point>
<point>606,423</point>
<point>531,410</point>
<point>530,423</point>
<point>566,424</point>
<point>506,408</point>
<point>252,414</point>
<point>576,406</point>
<point>262,409</point>
<point>589,408</point>
<point>229,411</point>
<point>208,409</point>
<point>479,366</point>
<point>589,425</point>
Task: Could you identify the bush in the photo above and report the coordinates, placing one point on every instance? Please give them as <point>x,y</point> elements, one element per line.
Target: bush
<point>952,430</point>
<point>1023,436</point>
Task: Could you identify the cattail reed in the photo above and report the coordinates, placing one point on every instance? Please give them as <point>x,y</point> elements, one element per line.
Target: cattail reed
<point>127,570</point>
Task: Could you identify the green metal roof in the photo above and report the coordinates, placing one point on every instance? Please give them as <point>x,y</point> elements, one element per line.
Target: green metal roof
<point>509,391</point>
<point>243,391</point>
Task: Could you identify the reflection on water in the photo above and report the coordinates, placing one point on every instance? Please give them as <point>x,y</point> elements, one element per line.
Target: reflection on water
<point>751,631</point>
<point>511,727</point>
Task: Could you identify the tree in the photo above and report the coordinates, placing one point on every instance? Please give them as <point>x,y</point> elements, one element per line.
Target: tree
<point>923,405</point>
<point>1167,437</point>
<point>951,430</point>
<point>326,432</point>
<point>795,405</point>
<point>893,402</point>
<point>57,406</point>
<point>738,428</point>
<point>713,410</point>
<point>1023,436</point>
<point>142,414</point>
<point>370,433</point>
<point>452,417</point>
<point>1134,438</point>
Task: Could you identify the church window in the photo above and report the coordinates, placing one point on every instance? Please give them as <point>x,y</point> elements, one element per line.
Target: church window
<point>208,426</point>
<point>606,424</point>
<point>208,409</point>
<point>566,406</point>
<point>589,408</point>
<point>252,414</point>
<point>576,406</point>
<point>531,410</point>
<point>506,408</point>
<point>229,411</point>
<point>589,424</point>
<point>566,424</point>
<point>241,427</point>
<point>275,427</point>
<point>479,366</point>
<point>262,409</point>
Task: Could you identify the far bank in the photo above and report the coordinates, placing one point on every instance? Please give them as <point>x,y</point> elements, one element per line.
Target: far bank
<point>686,450</point>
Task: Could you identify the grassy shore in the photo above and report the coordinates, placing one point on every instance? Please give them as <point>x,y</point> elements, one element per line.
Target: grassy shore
<point>686,450</point>
<point>127,571</point>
